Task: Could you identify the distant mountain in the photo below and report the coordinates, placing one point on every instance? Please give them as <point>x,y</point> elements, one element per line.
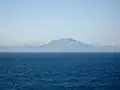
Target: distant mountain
<point>62,45</point>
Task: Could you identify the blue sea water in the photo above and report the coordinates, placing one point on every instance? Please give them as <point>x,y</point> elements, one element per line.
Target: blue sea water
<point>59,71</point>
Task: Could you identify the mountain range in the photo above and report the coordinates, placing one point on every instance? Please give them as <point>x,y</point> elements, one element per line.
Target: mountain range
<point>61,45</point>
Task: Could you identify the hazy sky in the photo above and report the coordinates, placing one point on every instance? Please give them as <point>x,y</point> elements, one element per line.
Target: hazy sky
<point>40,21</point>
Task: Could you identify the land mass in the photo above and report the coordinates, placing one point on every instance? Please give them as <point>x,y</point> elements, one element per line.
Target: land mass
<point>61,45</point>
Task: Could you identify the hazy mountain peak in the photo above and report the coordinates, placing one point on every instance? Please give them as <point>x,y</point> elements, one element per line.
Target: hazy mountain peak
<point>61,45</point>
<point>64,41</point>
<point>68,39</point>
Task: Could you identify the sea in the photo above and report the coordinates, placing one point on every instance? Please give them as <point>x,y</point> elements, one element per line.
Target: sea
<point>60,71</point>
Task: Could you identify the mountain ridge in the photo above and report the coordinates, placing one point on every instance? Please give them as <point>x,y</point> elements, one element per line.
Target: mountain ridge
<point>61,45</point>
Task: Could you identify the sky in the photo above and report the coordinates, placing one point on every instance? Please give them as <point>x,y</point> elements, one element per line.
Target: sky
<point>40,21</point>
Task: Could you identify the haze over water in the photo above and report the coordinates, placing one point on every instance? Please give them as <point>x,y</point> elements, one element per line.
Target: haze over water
<point>38,22</point>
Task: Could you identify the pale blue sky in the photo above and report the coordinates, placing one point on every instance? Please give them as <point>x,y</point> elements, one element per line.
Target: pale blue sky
<point>40,21</point>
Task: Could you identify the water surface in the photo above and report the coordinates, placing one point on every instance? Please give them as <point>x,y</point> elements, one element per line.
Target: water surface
<point>59,71</point>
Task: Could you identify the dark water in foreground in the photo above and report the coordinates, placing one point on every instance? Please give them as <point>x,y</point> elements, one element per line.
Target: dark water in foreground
<point>59,71</point>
